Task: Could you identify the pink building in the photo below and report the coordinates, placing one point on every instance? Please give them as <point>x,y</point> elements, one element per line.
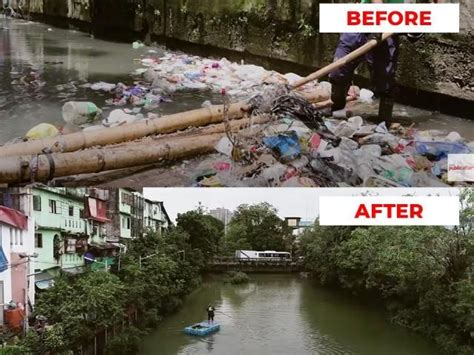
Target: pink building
<point>16,238</point>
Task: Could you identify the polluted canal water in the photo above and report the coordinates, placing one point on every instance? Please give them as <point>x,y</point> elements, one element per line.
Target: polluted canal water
<point>282,314</point>
<point>43,67</point>
<point>57,81</point>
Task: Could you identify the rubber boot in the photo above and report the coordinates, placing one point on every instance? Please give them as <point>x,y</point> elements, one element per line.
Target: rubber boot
<point>338,95</point>
<point>386,110</point>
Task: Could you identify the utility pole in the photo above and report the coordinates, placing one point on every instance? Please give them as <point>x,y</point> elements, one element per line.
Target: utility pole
<point>141,258</point>
<point>27,272</point>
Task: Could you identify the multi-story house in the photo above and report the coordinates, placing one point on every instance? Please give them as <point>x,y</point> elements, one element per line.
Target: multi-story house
<point>16,248</point>
<point>131,214</point>
<point>60,236</point>
<point>102,250</point>
<point>120,213</point>
<point>154,216</point>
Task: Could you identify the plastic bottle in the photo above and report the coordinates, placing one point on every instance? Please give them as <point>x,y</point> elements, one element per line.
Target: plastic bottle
<point>403,176</point>
<point>81,112</point>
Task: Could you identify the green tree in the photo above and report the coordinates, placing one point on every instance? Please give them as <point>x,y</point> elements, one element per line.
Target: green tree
<point>422,274</point>
<point>204,231</point>
<point>168,272</point>
<point>257,227</point>
<point>77,309</point>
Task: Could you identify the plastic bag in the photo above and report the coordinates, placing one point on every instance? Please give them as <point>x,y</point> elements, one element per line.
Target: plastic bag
<point>287,146</point>
<point>441,149</point>
<point>366,96</point>
<point>43,130</point>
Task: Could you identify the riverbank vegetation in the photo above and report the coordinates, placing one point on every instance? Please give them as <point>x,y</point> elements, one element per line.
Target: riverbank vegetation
<point>423,275</point>
<point>236,278</point>
<point>154,276</point>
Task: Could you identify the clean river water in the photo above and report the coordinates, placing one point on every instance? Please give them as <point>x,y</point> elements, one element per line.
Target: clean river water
<point>283,314</point>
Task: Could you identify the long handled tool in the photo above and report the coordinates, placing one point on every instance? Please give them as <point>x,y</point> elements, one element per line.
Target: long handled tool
<point>359,52</point>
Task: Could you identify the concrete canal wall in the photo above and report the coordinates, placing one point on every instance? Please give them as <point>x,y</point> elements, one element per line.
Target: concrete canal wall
<point>271,30</point>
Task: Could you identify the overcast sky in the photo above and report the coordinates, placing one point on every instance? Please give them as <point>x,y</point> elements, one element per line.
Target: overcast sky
<point>290,202</point>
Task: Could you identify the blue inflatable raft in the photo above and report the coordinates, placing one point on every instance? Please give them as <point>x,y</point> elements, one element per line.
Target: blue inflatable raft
<point>202,329</point>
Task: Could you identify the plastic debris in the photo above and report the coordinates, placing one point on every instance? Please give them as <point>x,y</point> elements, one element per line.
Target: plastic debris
<point>299,147</point>
<point>79,113</point>
<point>287,146</point>
<point>222,166</point>
<point>225,146</point>
<point>438,150</point>
<point>43,130</point>
<point>366,96</point>
<point>102,86</point>
<point>137,45</point>
<point>119,117</point>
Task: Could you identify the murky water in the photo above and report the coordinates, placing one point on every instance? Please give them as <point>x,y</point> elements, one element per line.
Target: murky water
<point>282,314</point>
<point>43,67</point>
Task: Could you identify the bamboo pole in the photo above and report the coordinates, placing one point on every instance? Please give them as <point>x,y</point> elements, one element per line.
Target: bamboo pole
<point>342,61</point>
<point>45,167</point>
<point>129,132</point>
<point>165,124</point>
<point>104,176</point>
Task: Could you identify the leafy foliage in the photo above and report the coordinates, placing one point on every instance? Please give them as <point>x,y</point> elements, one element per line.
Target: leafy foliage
<point>422,274</point>
<point>157,272</point>
<point>236,278</point>
<point>257,227</point>
<point>77,309</point>
<point>204,230</point>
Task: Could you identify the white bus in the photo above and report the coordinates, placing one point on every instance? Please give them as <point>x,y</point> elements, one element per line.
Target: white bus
<point>271,255</point>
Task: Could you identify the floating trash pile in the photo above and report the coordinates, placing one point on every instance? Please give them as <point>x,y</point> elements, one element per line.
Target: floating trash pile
<point>299,147</point>
<point>173,72</point>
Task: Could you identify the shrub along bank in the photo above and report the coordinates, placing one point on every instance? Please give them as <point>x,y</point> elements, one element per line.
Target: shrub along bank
<point>79,308</point>
<point>423,275</point>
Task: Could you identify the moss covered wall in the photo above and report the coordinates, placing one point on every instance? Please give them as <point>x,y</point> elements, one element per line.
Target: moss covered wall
<point>277,29</point>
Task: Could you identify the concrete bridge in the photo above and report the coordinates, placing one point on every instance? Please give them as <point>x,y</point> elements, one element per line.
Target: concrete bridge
<point>225,264</point>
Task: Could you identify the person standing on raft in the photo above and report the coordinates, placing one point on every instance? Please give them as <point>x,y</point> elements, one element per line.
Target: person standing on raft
<point>210,314</point>
<point>382,60</point>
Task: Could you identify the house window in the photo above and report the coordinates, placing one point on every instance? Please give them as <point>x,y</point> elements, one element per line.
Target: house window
<point>36,203</point>
<point>71,210</point>
<point>38,240</point>
<point>52,206</point>
<point>81,213</point>
<point>128,223</point>
<point>11,236</point>
<point>16,236</point>
<point>21,237</point>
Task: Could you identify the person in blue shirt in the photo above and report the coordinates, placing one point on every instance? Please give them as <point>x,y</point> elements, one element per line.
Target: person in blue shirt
<point>382,60</point>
